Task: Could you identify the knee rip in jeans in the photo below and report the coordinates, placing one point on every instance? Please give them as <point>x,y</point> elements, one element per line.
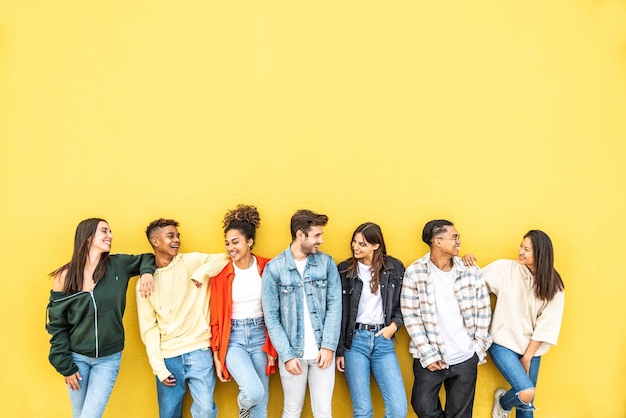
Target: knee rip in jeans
<point>526,396</point>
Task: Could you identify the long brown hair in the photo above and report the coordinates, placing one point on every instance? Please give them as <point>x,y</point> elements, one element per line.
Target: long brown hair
<point>548,282</point>
<point>82,239</point>
<point>373,235</point>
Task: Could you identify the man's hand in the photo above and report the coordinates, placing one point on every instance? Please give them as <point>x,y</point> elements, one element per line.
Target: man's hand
<point>169,381</point>
<point>433,367</point>
<point>325,358</point>
<point>293,366</point>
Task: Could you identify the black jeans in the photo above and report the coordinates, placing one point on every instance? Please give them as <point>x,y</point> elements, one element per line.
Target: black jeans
<point>460,384</point>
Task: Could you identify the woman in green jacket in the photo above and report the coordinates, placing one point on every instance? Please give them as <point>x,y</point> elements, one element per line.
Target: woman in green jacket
<point>85,313</point>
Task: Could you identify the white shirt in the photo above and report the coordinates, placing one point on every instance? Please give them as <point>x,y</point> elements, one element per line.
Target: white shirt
<point>370,309</point>
<point>310,345</point>
<point>456,341</point>
<point>247,292</point>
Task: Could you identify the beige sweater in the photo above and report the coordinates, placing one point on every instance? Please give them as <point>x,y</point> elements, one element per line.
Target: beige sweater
<point>519,315</point>
<point>174,320</point>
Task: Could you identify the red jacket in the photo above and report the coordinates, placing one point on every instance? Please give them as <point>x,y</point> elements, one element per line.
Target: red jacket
<point>221,304</point>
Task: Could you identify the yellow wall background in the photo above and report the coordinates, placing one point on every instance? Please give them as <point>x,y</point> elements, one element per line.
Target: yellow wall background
<point>501,116</point>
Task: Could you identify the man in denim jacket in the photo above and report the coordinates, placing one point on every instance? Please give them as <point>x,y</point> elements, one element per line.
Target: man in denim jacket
<point>302,310</point>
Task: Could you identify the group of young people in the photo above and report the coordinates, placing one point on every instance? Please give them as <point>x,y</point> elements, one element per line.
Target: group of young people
<point>241,316</point>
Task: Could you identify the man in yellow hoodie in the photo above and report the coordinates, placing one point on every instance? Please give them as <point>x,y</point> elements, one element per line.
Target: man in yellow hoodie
<point>174,323</point>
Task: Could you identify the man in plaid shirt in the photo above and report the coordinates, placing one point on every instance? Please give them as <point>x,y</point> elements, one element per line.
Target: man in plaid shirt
<point>446,312</point>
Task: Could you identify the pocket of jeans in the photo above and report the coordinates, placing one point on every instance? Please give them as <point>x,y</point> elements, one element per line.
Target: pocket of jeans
<point>385,338</point>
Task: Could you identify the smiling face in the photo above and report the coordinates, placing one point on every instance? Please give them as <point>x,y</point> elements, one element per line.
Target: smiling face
<point>526,255</point>
<point>102,238</point>
<point>310,243</point>
<point>237,245</point>
<point>166,242</point>
<point>449,241</point>
<point>363,250</point>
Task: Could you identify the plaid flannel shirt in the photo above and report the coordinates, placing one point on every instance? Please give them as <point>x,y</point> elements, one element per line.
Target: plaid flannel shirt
<point>417,302</point>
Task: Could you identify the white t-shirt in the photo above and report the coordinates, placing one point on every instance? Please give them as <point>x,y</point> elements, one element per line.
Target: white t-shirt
<point>370,309</point>
<point>247,292</point>
<point>310,345</point>
<point>456,341</point>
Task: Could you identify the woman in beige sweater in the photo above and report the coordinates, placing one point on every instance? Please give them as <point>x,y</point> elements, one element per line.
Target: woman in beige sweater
<point>526,320</point>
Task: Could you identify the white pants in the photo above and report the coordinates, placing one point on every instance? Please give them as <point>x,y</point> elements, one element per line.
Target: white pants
<point>321,384</point>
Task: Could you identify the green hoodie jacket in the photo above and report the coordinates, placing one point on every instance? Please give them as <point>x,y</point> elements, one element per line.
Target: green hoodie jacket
<point>90,323</point>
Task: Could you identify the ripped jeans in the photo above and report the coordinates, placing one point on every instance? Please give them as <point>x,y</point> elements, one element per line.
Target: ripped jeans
<point>508,363</point>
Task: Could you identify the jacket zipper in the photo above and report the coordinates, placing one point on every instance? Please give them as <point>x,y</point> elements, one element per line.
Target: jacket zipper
<point>95,320</point>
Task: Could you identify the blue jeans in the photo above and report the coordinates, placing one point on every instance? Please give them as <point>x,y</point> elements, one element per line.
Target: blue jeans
<point>246,361</point>
<point>98,377</point>
<point>378,355</point>
<point>197,370</point>
<point>460,383</point>
<point>508,363</point>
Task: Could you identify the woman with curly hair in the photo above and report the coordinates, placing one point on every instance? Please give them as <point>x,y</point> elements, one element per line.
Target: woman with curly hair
<point>239,340</point>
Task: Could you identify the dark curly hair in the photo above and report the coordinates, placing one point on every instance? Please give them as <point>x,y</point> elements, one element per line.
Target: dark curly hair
<point>244,218</point>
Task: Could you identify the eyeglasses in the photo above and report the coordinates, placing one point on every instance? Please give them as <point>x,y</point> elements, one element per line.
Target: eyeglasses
<point>456,238</point>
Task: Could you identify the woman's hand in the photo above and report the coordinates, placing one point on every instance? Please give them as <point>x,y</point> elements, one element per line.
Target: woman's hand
<point>525,362</point>
<point>339,361</point>
<point>146,285</point>
<point>72,381</point>
<point>388,331</point>
<point>271,360</point>
<point>219,370</point>
<point>469,260</point>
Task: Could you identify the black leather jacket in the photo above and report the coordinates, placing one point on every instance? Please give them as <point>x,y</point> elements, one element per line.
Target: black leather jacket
<point>390,287</point>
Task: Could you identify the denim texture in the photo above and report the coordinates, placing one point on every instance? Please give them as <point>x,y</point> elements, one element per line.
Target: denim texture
<point>197,370</point>
<point>246,362</point>
<point>321,384</point>
<point>459,381</point>
<point>378,355</point>
<point>507,361</point>
<point>98,377</point>
<point>283,292</point>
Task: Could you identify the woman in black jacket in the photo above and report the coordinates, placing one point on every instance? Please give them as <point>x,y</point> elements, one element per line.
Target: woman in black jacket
<point>371,283</point>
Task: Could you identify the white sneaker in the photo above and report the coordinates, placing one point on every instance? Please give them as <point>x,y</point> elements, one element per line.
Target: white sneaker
<point>496,410</point>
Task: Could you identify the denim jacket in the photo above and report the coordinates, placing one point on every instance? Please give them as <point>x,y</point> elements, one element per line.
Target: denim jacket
<point>391,276</point>
<point>283,290</point>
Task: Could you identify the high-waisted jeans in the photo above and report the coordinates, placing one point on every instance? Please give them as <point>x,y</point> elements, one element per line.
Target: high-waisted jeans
<point>98,377</point>
<point>246,361</point>
<point>375,355</point>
